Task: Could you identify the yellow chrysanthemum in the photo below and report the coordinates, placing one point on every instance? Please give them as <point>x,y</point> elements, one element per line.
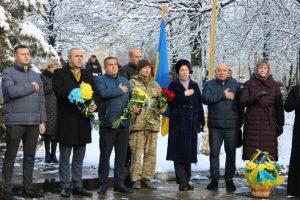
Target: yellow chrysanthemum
<point>141,95</point>
<point>139,92</point>
<point>261,166</point>
<point>270,167</point>
<point>86,91</point>
<point>251,165</point>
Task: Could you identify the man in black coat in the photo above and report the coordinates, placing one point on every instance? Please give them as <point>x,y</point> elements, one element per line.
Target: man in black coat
<point>127,71</point>
<point>73,129</point>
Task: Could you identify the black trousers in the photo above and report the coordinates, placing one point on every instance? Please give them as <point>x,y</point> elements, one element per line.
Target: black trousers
<point>109,138</point>
<point>29,136</point>
<point>183,172</point>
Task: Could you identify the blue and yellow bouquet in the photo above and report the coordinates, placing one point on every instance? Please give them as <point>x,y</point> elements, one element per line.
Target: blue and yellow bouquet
<point>138,98</point>
<point>262,174</point>
<point>83,99</point>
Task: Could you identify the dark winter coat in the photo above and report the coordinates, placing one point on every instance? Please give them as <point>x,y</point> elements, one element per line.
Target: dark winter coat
<point>293,104</point>
<point>186,114</point>
<point>114,100</point>
<point>23,105</point>
<point>50,103</point>
<point>222,112</point>
<point>90,67</point>
<point>263,116</point>
<point>72,127</point>
<point>128,70</point>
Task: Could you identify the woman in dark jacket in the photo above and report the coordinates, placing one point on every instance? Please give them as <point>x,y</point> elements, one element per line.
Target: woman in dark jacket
<point>293,103</point>
<point>264,117</point>
<point>51,108</point>
<point>186,120</point>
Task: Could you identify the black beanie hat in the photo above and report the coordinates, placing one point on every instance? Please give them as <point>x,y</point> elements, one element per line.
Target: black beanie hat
<point>182,62</point>
<point>143,63</point>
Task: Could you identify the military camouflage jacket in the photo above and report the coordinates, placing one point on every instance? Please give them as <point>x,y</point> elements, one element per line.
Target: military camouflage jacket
<point>149,117</point>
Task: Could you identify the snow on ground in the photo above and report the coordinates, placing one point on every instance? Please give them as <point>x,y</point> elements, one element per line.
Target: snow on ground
<point>162,165</point>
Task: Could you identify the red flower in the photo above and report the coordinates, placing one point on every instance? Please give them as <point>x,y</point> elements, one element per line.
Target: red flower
<point>168,94</point>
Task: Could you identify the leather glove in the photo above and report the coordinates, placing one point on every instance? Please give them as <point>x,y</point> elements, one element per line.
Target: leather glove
<point>199,128</point>
<point>263,92</point>
<point>279,130</point>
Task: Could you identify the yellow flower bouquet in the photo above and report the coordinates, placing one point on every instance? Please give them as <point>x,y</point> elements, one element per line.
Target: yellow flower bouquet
<point>82,97</point>
<point>138,98</point>
<point>262,174</point>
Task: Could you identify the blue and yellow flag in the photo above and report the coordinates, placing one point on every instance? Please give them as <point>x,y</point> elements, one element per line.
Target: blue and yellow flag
<point>162,71</point>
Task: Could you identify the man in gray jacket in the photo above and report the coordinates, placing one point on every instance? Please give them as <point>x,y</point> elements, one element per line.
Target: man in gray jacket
<point>24,117</point>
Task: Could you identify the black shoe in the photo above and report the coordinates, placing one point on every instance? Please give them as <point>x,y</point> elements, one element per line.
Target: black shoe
<point>214,184</point>
<point>146,184</point>
<point>65,192</point>
<point>48,158</point>
<point>102,190</point>
<point>6,195</point>
<point>190,187</point>
<point>183,188</point>
<point>53,158</point>
<point>136,185</point>
<point>122,189</point>
<point>230,186</point>
<point>30,193</point>
<point>82,192</point>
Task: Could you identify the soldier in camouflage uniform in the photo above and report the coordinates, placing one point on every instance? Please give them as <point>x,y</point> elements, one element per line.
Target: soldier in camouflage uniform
<point>144,128</point>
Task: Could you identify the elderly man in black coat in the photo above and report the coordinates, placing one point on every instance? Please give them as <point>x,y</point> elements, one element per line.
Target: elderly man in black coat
<point>73,129</point>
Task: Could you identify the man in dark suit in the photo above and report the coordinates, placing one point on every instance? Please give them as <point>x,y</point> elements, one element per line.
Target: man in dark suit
<point>73,129</point>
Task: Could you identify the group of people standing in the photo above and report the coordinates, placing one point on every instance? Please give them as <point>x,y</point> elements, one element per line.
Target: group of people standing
<point>38,104</point>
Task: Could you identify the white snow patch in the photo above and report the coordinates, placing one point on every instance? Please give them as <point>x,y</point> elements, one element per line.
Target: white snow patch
<point>3,19</point>
<point>30,30</point>
<point>198,177</point>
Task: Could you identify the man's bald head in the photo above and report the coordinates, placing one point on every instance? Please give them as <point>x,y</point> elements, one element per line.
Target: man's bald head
<point>134,56</point>
<point>222,71</point>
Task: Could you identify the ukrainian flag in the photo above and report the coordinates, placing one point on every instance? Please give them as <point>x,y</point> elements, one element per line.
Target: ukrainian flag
<point>162,71</point>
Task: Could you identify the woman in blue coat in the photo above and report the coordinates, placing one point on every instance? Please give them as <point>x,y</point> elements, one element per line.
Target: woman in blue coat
<point>186,120</point>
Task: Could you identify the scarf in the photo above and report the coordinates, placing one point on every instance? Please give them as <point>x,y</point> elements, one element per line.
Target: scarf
<point>184,82</point>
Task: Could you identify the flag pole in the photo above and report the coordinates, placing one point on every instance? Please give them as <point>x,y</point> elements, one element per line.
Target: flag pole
<point>212,39</point>
<point>164,10</point>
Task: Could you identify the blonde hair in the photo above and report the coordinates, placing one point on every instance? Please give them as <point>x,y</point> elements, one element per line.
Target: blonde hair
<point>51,62</point>
<point>262,62</point>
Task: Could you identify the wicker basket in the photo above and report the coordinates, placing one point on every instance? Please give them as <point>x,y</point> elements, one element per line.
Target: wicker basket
<point>261,192</point>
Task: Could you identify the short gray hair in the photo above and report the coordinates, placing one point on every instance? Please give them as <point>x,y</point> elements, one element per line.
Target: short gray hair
<point>71,50</point>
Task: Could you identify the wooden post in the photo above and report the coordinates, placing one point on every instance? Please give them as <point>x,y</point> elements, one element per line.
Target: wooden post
<point>212,39</point>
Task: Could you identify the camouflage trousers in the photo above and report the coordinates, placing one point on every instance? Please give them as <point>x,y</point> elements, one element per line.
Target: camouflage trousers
<point>143,142</point>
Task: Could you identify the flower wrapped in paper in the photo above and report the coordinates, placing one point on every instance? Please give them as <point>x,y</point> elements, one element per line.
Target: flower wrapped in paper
<point>82,97</point>
<point>262,172</point>
<point>138,98</point>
